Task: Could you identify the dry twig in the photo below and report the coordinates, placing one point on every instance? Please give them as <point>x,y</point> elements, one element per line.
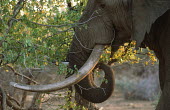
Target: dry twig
<point>26,77</point>
<point>3,99</point>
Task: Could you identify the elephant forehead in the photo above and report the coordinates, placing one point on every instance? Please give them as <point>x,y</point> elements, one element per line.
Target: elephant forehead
<point>119,11</point>
<point>115,3</point>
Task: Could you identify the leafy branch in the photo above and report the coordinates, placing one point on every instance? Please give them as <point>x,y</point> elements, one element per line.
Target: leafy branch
<point>26,77</point>
<point>16,11</point>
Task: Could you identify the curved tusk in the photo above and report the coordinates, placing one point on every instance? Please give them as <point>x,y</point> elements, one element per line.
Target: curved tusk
<point>82,73</point>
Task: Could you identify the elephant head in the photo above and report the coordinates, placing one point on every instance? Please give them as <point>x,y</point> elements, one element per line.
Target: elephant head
<point>104,22</point>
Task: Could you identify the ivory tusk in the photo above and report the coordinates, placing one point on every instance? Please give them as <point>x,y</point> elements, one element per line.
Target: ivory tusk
<point>82,73</point>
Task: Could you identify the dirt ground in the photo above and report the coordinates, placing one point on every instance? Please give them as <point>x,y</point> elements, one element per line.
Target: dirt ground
<point>117,102</point>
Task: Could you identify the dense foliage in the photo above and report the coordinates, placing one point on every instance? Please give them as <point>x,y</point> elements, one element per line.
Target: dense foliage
<point>34,33</point>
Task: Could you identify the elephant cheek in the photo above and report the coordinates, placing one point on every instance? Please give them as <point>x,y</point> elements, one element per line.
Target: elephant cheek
<point>104,37</point>
<point>101,31</point>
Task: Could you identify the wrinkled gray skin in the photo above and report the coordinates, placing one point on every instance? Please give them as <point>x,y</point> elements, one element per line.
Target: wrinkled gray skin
<point>158,39</point>
<point>113,22</point>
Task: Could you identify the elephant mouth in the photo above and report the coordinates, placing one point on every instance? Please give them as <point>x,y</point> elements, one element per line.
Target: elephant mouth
<point>74,79</point>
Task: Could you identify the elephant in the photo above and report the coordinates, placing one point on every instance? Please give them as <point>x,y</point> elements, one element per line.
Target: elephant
<point>107,23</point>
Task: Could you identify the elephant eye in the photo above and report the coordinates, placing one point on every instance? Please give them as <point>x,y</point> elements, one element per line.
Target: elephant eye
<point>102,5</point>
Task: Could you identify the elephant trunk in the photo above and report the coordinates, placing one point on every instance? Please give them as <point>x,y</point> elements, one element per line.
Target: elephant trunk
<point>86,87</point>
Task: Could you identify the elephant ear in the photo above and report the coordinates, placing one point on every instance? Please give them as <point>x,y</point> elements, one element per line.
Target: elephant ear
<point>144,14</point>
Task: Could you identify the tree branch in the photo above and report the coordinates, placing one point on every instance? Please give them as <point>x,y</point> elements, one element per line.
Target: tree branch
<point>59,26</point>
<point>3,99</point>
<point>16,73</point>
<point>12,99</point>
<point>14,106</point>
<point>17,9</point>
